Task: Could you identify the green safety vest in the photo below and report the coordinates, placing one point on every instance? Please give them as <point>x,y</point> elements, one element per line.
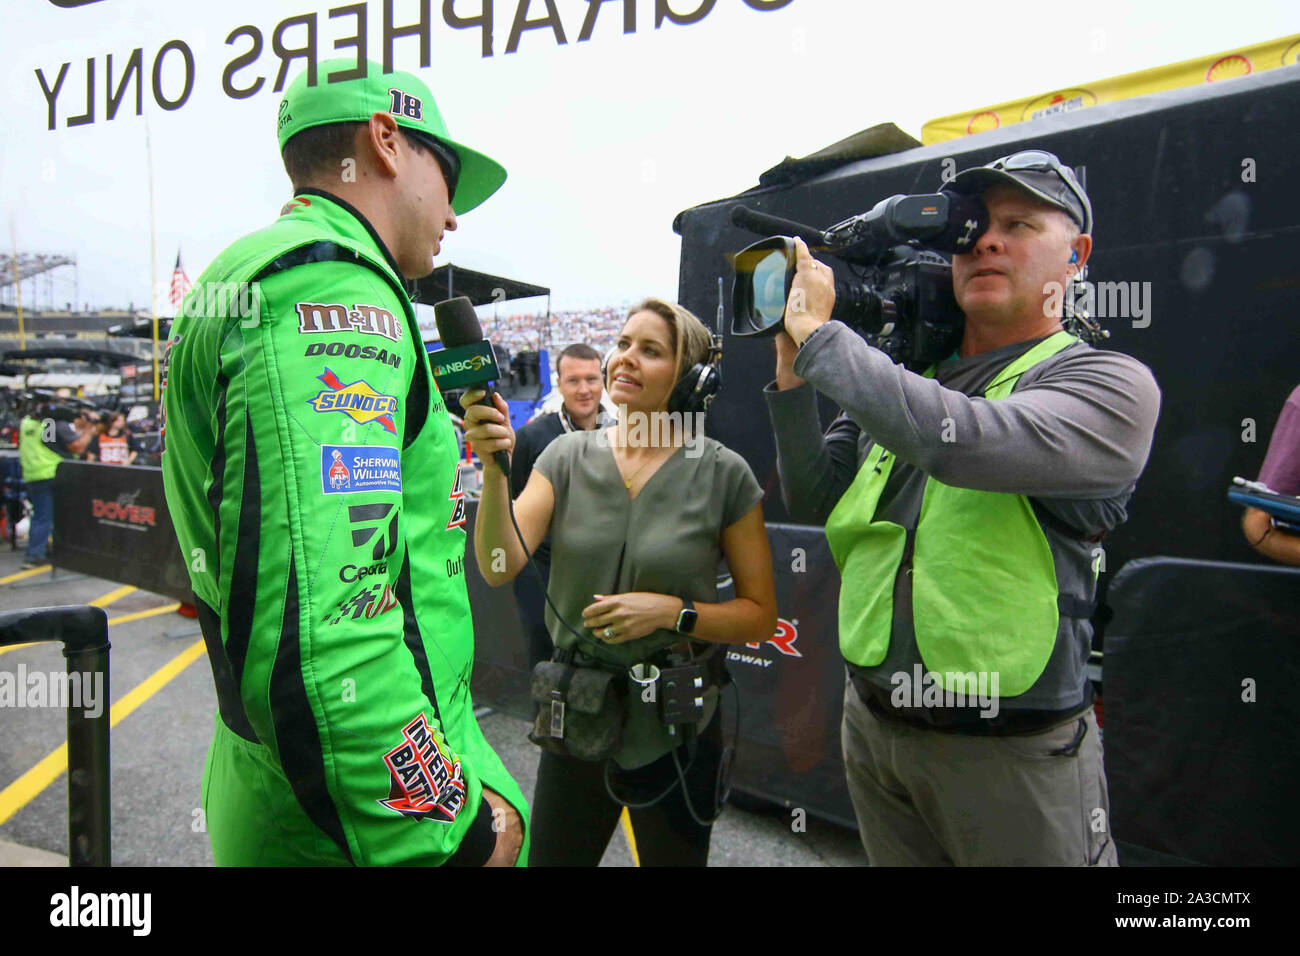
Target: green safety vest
<point>38,462</point>
<point>984,588</point>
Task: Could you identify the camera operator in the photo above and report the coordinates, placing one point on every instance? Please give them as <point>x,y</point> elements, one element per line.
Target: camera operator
<point>42,444</point>
<point>963,508</point>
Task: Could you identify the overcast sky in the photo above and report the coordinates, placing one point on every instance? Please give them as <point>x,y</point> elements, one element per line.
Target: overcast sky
<point>605,140</point>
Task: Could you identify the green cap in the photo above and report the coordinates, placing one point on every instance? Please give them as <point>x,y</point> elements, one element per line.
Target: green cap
<point>404,96</point>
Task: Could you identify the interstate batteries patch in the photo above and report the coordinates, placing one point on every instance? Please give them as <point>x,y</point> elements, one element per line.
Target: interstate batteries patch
<point>357,400</point>
<point>348,468</point>
<point>424,782</point>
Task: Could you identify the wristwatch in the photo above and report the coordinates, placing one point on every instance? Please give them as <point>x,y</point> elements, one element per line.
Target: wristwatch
<point>687,617</point>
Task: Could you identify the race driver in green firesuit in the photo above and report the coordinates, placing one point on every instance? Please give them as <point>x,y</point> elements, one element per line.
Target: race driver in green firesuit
<point>311,474</point>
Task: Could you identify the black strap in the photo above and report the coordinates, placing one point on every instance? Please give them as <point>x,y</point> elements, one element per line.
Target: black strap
<point>1061,526</point>
<point>565,681</point>
<point>1070,606</point>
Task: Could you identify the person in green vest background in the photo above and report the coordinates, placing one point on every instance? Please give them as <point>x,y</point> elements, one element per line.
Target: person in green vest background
<point>45,439</point>
<point>310,468</point>
<point>964,509</point>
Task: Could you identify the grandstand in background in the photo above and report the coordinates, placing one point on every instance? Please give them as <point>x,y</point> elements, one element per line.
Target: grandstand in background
<point>597,327</point>
<point>46,287</point>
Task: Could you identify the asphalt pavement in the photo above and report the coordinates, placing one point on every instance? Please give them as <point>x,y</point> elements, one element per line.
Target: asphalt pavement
<point>163,710</point>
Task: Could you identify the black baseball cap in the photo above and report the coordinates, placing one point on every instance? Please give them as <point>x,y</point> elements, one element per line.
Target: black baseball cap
<point>1037,172</point>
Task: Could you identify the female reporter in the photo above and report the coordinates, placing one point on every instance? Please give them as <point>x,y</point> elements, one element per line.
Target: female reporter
<point>638,516</point>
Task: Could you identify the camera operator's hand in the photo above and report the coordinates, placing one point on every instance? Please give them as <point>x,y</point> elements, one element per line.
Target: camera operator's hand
<point>786,350</point>
<point>510,839</point>
<point>812,294</point>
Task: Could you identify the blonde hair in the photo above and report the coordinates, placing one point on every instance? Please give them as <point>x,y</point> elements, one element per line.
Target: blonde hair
<point>689,337</point>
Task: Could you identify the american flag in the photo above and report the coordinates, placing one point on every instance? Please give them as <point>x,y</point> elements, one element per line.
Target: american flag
<point>180,283</point>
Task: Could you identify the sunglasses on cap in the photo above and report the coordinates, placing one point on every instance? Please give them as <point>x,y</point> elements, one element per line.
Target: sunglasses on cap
<point>447,159</point>
<point>1041,161</point>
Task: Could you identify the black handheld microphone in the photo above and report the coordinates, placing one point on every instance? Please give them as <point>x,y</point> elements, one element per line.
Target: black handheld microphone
<point>466,359</point>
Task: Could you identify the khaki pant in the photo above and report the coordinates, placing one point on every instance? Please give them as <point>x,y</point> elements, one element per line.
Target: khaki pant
<point>926,798</point>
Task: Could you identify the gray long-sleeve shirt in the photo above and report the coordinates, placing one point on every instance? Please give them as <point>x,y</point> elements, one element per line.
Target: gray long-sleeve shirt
<point>1074,436</point>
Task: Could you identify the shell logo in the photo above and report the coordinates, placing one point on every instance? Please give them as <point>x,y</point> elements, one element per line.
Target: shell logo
<point>1062,101</point>
<point>1228,68</point>
<point>983,122</point>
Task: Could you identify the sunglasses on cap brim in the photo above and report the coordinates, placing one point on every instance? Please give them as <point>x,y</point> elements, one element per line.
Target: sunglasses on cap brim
<point>1037,160</point>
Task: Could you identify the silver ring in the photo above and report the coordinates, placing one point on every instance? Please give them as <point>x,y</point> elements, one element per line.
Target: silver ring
<point>609,632</point>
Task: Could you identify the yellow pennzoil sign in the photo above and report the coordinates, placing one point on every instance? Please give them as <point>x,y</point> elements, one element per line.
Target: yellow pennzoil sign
<point>1208,69</point>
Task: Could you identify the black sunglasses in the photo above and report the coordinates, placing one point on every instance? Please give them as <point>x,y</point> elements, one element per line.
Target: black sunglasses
<point>447,159</point>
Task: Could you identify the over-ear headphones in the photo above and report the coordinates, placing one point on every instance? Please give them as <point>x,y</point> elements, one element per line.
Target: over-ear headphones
<point>604,365</point>
<point>700,385</point>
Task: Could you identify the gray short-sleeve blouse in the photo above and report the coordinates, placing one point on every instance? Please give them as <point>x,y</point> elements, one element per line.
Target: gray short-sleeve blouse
<point>668,540</point>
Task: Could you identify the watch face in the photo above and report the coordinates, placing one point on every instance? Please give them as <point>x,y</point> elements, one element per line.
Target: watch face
<point>686,620</point>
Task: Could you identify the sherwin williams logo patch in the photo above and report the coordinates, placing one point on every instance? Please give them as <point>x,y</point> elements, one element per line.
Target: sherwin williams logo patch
<point>348,468</point>
<point>357,400</point>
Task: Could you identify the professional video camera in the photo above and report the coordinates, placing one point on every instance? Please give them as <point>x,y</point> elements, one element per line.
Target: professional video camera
<point>47,403</point>
<point>899,296</point>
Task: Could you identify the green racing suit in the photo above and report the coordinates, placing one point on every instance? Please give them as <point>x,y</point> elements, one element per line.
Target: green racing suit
<point>311,473</point>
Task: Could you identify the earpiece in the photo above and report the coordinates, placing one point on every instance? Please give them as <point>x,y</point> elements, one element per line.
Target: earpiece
<point>1074,256</point>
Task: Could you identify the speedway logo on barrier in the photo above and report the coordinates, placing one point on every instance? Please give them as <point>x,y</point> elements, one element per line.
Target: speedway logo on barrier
<point>783,640</point>
<point>348,468</point>
<point>123,512</point>
<point>425,782</point>
<point>357,400</point>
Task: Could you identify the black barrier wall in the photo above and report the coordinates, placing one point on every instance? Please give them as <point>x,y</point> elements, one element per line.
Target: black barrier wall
<point>1202,722</point>
<point>111,521</point>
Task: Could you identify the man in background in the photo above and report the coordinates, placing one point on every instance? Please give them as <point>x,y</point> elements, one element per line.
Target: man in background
<point>43,443</point>
<point>581,385</point>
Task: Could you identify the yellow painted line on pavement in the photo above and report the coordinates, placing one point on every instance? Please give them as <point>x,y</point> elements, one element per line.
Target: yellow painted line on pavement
<point>30,572</point>
<point>151,612</point>
<point>23,790</point>
<point>138,615</point>
<point>623,818</point>
<point>104,600</point>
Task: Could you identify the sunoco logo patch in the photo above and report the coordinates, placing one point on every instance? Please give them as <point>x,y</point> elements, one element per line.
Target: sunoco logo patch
<point>348,468</point>
<point>357,400</point>
<point>424,782</point>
